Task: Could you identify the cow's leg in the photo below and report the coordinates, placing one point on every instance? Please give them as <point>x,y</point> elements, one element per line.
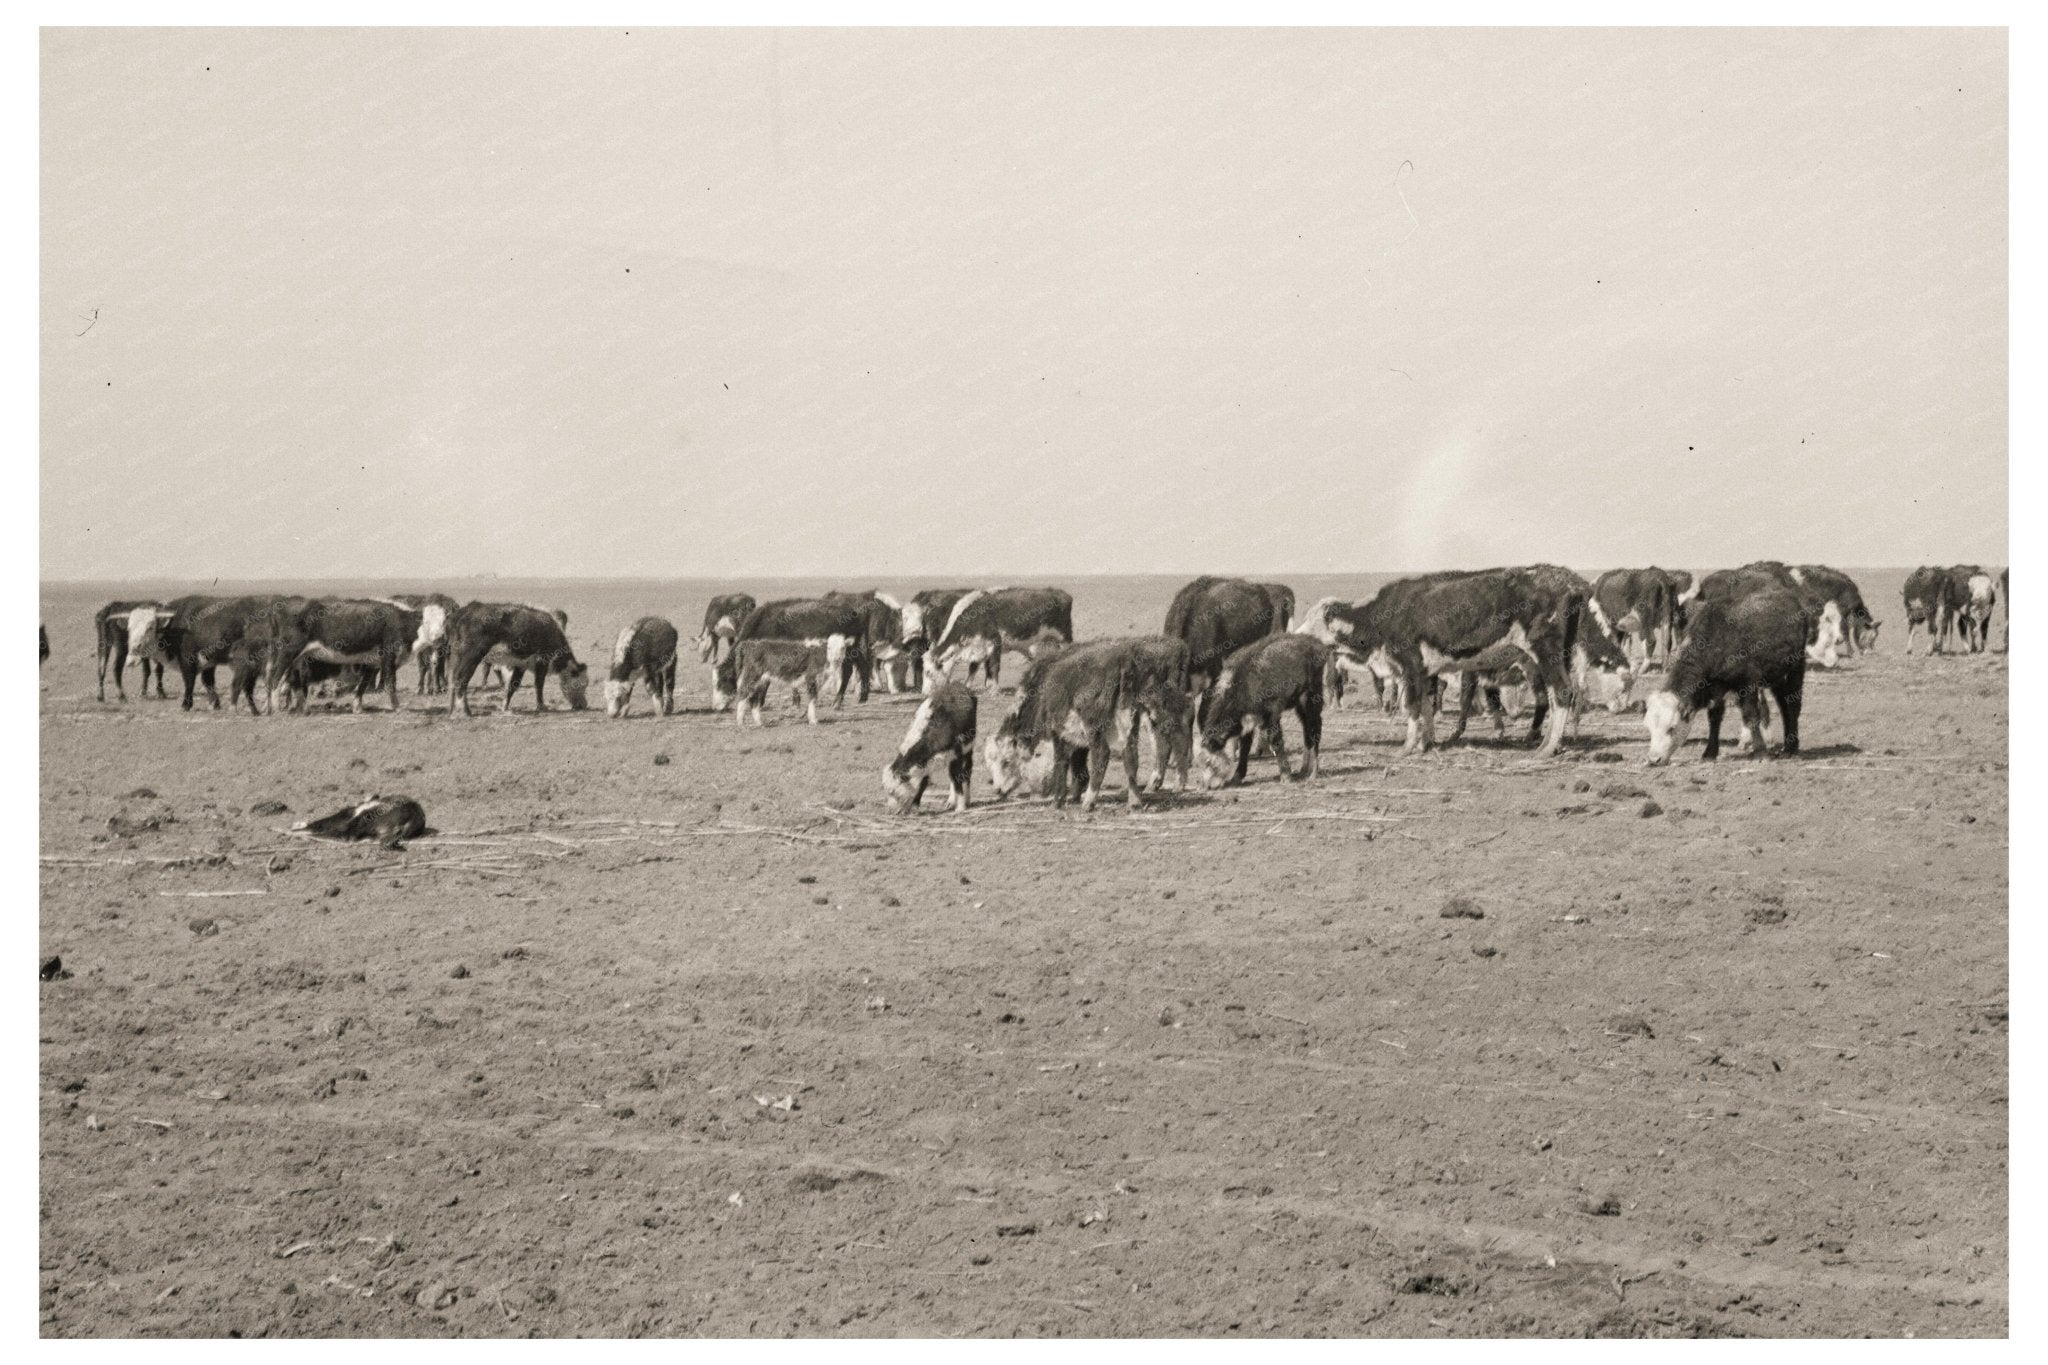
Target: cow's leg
<point>1552,681</point>
<point>1468,691</point>
<point>960,776</point>
<point>1414,689</point>
<point>1310,713</point>
<point>513,677</point>
<point>206,676</point>
<point>1495,711</point>
<point>808,693</point>
<point>1244,755</point>
<point>1756,721</point>
<point>119,652</point>
<point>1131,783</point>
<point>1062,762</point>
<point>1791,696</point>
<point>1098,766</point>
<point>1276,740</point>
<point>462,669</point>
<point>992,667</point>
<point>1716,709</point>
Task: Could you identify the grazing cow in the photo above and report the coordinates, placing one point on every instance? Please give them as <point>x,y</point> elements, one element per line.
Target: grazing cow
<point>799,664</point>
<point>430,647</point>
<point>1155,685</point>
<point>112,643</point>
<point>1858,628</point>
<point>1259,684</point>
<point>1074,701</point>
<point>1217,617</point>
<point>1640,608</point>
<point>1599,671</point>
<point>1976,597</point>
<point>1751,644</point>
<point>1335,622</point>
<point>1824,616</point>
<point>388,820</point>
<point>1488,620</point>
<point>645,649</point>
<point>375,635</point>
<point>201,632</point>
<point>516,638</point>
<point>942,728</point>
<point>923,612</point>
<point>1282,598</point>
<point>838,624</point>
<point>722,621</point>
<point>983,622</point>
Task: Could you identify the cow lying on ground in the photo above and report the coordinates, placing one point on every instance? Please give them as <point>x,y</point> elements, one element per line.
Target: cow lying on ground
<point>1931,605</point>
<point>1752,644</point>
<point>1259,684</point>
<point>722,621</point>
<point>388,820</point>
<point>837,624</point>
<point>1976,598</point>
<point>515,638</point>
<point>114,641</point>
<point>982,623</point>
<point>801,666</point>
<point>376,635</point>
<point>645,649</point>
<point>942,728</point>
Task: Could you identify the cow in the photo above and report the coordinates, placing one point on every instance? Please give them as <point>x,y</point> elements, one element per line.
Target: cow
<point>1750,643</point>
<point>430,647</point>
<point>1258,685</point>
<point>884,656</point>
<point>983,622</point>
<point>645,649</point>
<point>1823,614</point>
<point>1640,608</point>
<point>1333,621</point>
<point>838,624</point>
<point>1930,604</point>
<point>387,820</point>
<point>1282,598</point>
<point>1487,620</point>
<point>1217,617</point>
<point>722,621</point>
<point>1600,672</point>
<point>1073,700</point>
<point>200,632</point>
<point>113,644</point>
<point>1858,627</point>
<point>942,728</point>
<point>800,664</point>
<point>920,614</point>
<point>1976,597</point>
<point>374,635</point>
<point>515,637</point>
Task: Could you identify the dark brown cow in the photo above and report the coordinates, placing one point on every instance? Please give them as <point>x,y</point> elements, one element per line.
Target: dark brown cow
<point>942,728</point>
<point>838,624</point>
<point>981,624</point>
<point>722,621</point>
<point>1072,700</point>
<point>798,664</point>
<point>200,633</point>
<point>515,637</point>
<point>1639,607</point>
<point>1258,685</point>
<point>376,636</point>
<point>1751,643</point>
<point>645,649</point>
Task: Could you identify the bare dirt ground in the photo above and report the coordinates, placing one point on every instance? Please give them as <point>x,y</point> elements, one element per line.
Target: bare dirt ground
<point>673,1030</point>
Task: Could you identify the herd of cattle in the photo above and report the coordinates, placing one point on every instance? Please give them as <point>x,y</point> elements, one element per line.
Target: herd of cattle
<point>1231,660</point>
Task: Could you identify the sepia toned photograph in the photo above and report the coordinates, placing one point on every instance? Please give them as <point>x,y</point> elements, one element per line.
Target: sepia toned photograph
<point>1122,682</point>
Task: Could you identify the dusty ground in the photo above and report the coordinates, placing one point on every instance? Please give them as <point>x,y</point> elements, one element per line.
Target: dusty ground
<point>711,1045</point>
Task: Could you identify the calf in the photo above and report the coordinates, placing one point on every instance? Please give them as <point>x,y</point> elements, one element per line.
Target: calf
<point>884,656</point>
<point>1259,684</point>
<point>114,642</point>
<point>1215,617</point>
<point>800,665</point>
<point>514,637</point>
<point>377,635</point>
<point>722,621</point>
<point>645,649</point>
<point>838,624</point>
<point>942,727</point>
<point>1156,686</point>
<point>1751,644</point>
<point>388,820</point>
<point>1930,604</point>
<point>982,623</point>
<point>1976,597</point>
<point>1073,701</point>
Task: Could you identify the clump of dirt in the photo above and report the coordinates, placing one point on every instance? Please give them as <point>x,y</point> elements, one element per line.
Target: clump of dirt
<point>1460,907</point>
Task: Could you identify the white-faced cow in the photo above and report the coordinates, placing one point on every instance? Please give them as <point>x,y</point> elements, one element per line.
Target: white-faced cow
<point>645,649</point>
<point>983,623</point>
<point>516,638</point>
<point>1639,608</point>
<point>884,656</point>
<point>923,614</point>
<point>722,621</point>
<point>1930,606</point>
<point>115,641</point>
<point>942,728</point>
<point>800,665</point>
<point>837,625</point>
<point>1858,627</point>
<point>1976,597</point>
<point>430,646</point>
<point>375,636</point>
<point>1750,642</point>
<point>1259,684</point>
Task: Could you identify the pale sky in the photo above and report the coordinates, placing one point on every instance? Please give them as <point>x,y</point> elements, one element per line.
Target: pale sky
<point>970,302</point>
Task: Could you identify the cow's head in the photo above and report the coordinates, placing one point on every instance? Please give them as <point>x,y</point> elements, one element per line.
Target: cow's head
<point>1667,719</point>
<point>900,783</point>
<point>1825,647</point>
<point>913,623</point>
<point>618,695</point>
<point>1866,634</point>
<point>1012,763</point>
<point>1609,682</point>
<point>574,679</point>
